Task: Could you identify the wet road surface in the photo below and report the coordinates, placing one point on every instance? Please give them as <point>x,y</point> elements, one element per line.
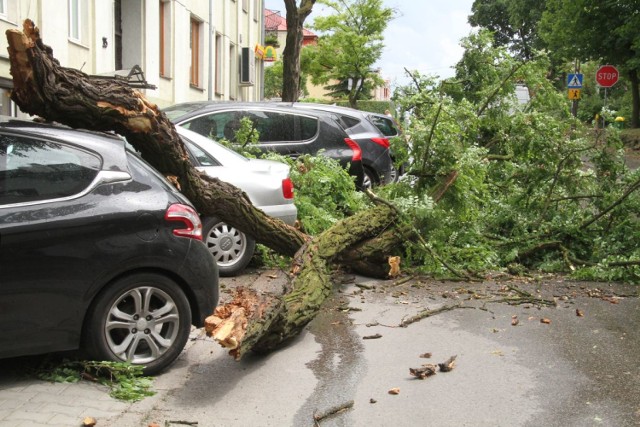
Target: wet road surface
<point>578,369</point>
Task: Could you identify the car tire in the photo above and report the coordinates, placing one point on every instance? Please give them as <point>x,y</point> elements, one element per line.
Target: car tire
<point>369,180</point>
<point>144,319</point>
<point>231,249</point>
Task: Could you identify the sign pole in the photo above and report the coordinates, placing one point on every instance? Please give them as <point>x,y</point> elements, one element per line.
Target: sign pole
<point>574,103</point>
<point>606,77</point>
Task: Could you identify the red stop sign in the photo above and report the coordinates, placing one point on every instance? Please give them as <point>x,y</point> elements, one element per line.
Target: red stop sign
<point>607,75</point>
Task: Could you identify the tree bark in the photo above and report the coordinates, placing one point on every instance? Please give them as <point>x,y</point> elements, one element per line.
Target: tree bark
<point>293,46</point>
<point>254,320</point>
<point>635,98</point>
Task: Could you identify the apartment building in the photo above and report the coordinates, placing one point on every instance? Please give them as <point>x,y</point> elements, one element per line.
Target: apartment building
<point>172,50</point>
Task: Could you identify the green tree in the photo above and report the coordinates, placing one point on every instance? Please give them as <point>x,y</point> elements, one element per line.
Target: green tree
<point>351,42</point>
<point>514,23</point>
<point>291,78</point>
<point>273,80</point>
<point>597,30</point>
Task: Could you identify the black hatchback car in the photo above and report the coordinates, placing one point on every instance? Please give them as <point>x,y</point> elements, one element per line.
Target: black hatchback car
<point>283,129</point>
<point>97,250</point>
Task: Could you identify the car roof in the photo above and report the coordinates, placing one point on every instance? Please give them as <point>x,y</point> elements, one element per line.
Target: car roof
<point>189,109</point>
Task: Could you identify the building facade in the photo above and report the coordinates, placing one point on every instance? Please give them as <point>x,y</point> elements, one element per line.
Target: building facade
<point>172,50</point>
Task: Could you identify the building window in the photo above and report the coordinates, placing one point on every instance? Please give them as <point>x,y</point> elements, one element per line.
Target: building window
<point>3,8</point>
<point>218,64</point>
<point>256,9</point>
<point>196,52</point>
<point>165,38</point>
<point>74,19</point>
<point>245,6</point>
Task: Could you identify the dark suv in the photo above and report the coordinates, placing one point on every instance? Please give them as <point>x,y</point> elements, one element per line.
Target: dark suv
<point>376,157</point>
<point>283,129</point>
<point>97,250</point>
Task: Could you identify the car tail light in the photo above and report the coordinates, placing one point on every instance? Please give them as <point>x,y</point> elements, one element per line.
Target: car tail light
<point>357,151</point>
<point>189,217</point>
<point>287,188</point>
<point>384,142</point>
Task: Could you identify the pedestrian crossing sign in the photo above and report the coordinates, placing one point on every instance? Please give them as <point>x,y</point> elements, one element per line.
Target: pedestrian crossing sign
<point>574,94</point>
<point>574,81</point>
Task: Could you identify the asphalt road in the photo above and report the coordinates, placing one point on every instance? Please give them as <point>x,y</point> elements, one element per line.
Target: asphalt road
<point>519,362</point>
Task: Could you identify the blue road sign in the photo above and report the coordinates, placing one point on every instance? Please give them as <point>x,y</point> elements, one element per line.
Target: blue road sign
<point>574,81</point>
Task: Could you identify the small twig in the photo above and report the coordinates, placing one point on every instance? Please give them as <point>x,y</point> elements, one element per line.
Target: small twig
<point>372,337</point>
<point>332,411</point>
<point>427,313</point>
<point>403,281</point>
<point>186,423</point>
<point>519,291</point>
<point>525,300</point>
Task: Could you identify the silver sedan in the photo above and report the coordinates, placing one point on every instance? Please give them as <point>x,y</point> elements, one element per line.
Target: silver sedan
<point>266,182</point>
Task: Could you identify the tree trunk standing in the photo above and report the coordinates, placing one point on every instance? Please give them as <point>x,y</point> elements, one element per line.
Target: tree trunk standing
<point>635,96</point>
<point>43,88</point>
<point>293,46</point>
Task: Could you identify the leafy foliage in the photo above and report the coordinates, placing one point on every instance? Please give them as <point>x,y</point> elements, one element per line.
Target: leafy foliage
<point>126,381</point>
<point>324,191</point>
<point>513,186</point>
<point>350,43</point>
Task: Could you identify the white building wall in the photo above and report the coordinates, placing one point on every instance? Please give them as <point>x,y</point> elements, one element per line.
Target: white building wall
<point>140,20</point>
<point>103,28</point>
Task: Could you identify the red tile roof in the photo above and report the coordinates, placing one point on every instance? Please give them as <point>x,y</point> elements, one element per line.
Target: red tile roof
<point>273,21</point>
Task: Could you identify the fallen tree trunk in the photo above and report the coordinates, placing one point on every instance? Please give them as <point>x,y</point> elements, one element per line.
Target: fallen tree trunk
<point>43,88</point>
<point>274,320</point>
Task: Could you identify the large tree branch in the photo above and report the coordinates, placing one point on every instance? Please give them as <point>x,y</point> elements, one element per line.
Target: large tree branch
<point>68,96</point>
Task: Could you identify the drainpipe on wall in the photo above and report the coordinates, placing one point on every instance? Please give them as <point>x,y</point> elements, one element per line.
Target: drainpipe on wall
<point>210,89</point>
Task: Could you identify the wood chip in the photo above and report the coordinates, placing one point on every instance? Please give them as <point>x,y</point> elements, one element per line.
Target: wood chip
<point>395,390</point>
<point>579,312</point>
<point>424,371</point>
<point>545,320</point>
<point>448,365</point>
<point>89,422</point>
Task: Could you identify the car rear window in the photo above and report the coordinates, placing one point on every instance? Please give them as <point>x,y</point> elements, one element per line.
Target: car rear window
<point>34,170</point>
<point>386,126</point>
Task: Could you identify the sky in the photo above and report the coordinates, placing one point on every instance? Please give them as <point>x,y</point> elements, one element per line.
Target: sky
<point>424,36</point>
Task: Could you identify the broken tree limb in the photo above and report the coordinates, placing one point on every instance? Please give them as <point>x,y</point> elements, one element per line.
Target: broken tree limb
<point>253,320</point>
<point>274,317</point>
<point>44,88</point>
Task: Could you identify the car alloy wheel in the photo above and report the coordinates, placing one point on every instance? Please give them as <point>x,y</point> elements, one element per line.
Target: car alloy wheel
<point>143,319</point>
<point>231,248</point>
<point>369,181</point>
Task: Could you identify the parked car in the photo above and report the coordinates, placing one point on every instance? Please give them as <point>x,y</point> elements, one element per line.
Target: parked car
<point>376,157</point>
<point>389,128</point>
<point>98,251</point>
<point>282,129</point>
<point>266,182</point>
